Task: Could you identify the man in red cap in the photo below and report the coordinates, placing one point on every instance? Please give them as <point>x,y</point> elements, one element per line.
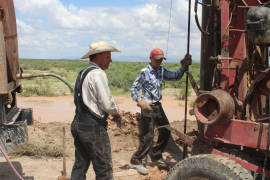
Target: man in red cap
<point>152,114</point>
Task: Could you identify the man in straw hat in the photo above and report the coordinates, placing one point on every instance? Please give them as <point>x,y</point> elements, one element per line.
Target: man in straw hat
<point>152,114</point>
<point>93,103</point>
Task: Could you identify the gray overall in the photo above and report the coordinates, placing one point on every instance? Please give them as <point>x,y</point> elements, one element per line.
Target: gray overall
<point>91,139</point>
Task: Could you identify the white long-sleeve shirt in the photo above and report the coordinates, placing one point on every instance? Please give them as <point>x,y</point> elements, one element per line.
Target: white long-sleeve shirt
<point>96,94</point>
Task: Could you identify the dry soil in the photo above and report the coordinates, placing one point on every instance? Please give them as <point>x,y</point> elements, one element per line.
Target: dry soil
<point>51,114</point>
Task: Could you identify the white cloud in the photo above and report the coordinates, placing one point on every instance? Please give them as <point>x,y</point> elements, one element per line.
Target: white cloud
<point>24,28</point>
<point>60,31</point>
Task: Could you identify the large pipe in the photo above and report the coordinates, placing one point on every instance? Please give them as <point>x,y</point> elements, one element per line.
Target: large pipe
<point>212,107</point>
<point>209,46</point>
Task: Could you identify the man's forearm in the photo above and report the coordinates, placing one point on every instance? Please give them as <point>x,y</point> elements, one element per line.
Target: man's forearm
<point>135,94</point>
<point>111,110</point>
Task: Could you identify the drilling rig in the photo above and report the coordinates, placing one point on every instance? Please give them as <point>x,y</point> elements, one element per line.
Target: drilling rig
<point>13,120</point>
<point>232,105</point>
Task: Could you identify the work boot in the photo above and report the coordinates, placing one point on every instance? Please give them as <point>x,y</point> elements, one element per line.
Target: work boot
<point>140,168</point>
<point>162,163</point>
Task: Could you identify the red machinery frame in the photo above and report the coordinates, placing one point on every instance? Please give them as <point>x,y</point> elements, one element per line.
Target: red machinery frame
<point>231,58</point>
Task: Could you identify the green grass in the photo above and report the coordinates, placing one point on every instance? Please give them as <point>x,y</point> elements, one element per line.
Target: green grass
<point>121,75</point>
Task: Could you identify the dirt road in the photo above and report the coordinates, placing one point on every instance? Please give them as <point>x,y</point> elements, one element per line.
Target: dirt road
<point>52,113</point>
<point>61,108</point>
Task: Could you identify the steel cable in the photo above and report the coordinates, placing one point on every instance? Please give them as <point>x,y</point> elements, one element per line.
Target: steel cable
<point>169,29</point>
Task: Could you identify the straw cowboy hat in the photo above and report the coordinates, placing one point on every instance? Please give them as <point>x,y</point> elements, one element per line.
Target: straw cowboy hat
<point>99,47</point>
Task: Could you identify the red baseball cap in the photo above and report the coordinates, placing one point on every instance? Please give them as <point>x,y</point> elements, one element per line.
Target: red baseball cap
<point>157,53</point>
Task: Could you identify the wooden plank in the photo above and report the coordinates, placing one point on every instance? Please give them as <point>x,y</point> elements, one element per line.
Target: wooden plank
<point>10,29</point>
<point>3,64</point>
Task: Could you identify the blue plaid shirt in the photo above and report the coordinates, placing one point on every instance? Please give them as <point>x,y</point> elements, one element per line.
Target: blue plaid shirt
<point>150,81</point>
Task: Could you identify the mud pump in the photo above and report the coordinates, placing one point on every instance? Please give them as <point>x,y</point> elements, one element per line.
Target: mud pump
<point>13,120</point>
<point>232,105</point>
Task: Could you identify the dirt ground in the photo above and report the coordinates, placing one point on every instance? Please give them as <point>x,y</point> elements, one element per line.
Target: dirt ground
<point>51,114</point>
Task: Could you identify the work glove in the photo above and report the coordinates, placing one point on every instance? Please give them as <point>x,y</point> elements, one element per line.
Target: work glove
<point>145,107</point>
<point>186,61</point>
<point>117,118</point>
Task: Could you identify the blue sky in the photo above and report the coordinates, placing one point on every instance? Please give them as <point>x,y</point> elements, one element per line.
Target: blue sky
<point>104,3</point>
<point>63,29</point>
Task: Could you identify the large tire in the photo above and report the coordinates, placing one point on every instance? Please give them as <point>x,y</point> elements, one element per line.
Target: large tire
<point>208,167</point>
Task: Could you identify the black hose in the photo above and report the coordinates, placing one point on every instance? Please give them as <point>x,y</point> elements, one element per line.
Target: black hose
<point>29,76</point>
<point>197,19</point>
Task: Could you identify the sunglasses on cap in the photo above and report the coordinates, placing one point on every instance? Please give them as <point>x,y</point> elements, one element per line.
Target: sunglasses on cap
<point>160,59</point>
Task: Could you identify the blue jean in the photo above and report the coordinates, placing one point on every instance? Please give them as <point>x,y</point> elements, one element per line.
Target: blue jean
<point>92,144</point>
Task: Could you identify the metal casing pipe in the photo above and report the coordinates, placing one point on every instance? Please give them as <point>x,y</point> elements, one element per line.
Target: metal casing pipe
<point>212,107</point>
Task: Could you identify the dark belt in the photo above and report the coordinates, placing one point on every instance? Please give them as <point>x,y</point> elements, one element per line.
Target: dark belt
<point>155,103</point>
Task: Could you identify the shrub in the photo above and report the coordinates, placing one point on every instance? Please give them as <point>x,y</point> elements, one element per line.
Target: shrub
<point>121,75</point>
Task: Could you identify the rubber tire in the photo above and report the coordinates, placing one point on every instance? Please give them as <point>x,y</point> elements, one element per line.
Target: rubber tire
<point>208,166</point>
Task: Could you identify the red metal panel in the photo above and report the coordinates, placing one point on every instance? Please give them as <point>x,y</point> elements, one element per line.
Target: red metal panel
<point>237,49</point>
<point>245,133</point>
<point>254,2</point>
<point>233,44</point>
<point>225,14</point>
<point>243,163</point>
